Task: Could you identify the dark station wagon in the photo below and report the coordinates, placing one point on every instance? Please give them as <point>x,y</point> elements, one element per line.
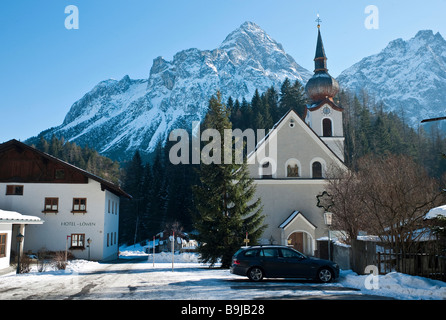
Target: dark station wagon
<point>260,262</point>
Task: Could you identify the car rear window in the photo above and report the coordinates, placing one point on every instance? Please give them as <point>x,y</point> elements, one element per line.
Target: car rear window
<point>238,251</point>
<point>286,253</point>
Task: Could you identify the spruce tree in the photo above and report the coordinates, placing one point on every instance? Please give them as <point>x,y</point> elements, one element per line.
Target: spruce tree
<point>272,98</point>
<point>131,210</point>
<point>224,199</point>
<point>292,97</point>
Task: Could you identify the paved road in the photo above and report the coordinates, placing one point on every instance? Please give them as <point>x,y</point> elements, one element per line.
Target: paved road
<point>138,280</point>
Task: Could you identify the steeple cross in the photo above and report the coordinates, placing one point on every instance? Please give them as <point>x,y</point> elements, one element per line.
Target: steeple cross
<point>318,20</point>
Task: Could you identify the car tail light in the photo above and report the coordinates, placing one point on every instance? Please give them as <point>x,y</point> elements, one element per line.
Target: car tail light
<point>236,262</point>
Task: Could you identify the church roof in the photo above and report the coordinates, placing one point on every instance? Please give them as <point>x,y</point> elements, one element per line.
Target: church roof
<point>319,105</point>
<point>291,218</point>
<point>320,59</point>
<point>322,85</point>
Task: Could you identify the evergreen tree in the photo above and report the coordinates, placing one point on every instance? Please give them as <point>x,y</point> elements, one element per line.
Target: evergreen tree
<point>160,196</point>
<point>292,97</point>
<point>223,214</point>
<point>272,98</point>
<point>247,115</point>
<point>237,115</point>
<point>131,210</point>
<point>266,111</point>
<point>148,222</point>
<point>84,158</point>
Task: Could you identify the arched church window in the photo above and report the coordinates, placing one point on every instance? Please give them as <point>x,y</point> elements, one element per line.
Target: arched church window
<point>317,170</point>
<point>267,170</point>
<point>327,129</point>
<point>292,170</point>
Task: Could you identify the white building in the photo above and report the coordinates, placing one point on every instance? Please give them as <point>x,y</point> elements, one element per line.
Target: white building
<point>11,225</point>
<point>290,165</point>
<point>77,206</point>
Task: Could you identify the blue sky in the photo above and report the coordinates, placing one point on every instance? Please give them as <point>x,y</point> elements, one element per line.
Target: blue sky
<point>45,67</point>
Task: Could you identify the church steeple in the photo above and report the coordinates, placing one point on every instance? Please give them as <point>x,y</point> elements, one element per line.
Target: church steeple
<point>323,115</point>
<point>321,86</point>
<point>320,60</point>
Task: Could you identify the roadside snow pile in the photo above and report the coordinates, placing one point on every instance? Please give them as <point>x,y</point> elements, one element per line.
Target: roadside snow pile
<point>132,250</point>
<point>138,250</point>
<point>396,285</point>
<point>81,265</point>
<point>167,257</point>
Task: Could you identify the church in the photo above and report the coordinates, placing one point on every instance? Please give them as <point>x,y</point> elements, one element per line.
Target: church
<point>290,165</point>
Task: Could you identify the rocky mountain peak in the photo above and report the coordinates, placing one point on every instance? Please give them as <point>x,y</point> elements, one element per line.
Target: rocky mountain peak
<point>118,117</point>
<point>407,76</point>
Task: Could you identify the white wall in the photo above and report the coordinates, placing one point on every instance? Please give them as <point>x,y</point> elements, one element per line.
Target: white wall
<point>52,234</point>
<point>111,224</point>
<point>6,228</point>
<point>295,143</point>
<point>281,198</point>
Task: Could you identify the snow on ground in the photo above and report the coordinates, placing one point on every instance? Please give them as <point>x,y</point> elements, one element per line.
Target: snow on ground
<point>192,280</point>
<point>394,284</point>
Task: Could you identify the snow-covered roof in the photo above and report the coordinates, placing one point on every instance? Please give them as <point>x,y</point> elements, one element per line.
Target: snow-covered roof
<point>15,217</point>
<point>293,215</point>
<point>436,212</point>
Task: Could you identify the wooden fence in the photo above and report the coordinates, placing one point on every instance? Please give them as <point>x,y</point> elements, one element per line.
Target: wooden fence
<point>418,264</point>
<point>363,255</point>
<point>427,265</point>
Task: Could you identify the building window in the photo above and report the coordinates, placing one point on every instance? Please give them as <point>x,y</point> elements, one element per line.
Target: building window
<point>267,170</point>
<point>108,239</point>
<point>14,190</point>
<point>51,205</point>
<point>327,129</point>
<point>317,170</point>
<point>77,241</point>
<point>79,205</point>
<point>292,170</point>
<point>2,245</point>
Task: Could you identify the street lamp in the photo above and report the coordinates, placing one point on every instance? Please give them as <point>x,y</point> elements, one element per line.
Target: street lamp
<point>89,248</point>
<point>19,241</point>
<point>328,218</point>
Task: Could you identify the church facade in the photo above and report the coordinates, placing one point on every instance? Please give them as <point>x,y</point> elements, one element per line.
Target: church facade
<point>290,165</point>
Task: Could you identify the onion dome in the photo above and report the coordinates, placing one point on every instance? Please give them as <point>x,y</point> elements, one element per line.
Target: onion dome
<point>321,86</point>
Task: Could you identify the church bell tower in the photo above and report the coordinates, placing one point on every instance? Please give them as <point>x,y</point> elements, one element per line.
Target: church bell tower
<point>323,115</point>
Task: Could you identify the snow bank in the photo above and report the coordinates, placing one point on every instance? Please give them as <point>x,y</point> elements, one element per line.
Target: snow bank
<point>167,257</point>
<point>397,285</point>
<point>81,265</point>
<point>138,250</point>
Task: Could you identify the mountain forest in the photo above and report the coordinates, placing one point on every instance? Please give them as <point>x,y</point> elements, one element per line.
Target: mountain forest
<point>162,192</point>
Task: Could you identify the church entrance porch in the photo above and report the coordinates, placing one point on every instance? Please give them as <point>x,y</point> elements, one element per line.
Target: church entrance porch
<point>302,242</point>
<point>298,232</point>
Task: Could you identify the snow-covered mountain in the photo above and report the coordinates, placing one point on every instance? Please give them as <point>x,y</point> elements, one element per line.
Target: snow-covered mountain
<point>409,77</point>
<point>118,117</point>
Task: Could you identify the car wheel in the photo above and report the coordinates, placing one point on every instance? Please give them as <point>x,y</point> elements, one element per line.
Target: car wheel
<point>255,274</point>
<point>325,275</point>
